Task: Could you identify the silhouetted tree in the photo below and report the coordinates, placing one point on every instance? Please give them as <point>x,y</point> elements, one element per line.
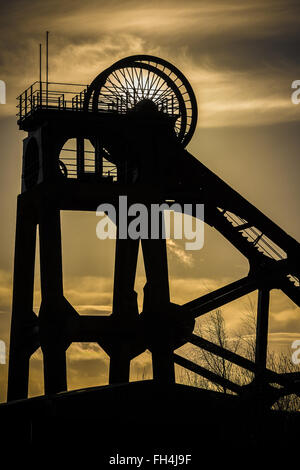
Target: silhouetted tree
<point>212,328</point>
<point>241,341</point>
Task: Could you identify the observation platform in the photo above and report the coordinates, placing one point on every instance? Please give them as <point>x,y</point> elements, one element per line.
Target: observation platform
<point>69,98</point>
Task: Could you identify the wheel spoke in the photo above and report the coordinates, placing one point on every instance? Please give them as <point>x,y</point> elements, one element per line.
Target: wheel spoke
<point>116,88</point>
<point>128,93</point>
<point>158,89</point>
<point>131,76</point>
<point>167,92</point>
<point>154,81</point>
<point>147,81</point>
<point>118,79</point>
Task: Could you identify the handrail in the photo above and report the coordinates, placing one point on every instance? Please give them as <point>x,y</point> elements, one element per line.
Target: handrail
<point>52,83</point>
<point>43,95</point>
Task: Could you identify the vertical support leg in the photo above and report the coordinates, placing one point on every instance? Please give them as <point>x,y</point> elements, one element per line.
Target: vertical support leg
<point>157,292</point>
<point>125,299</point>
<point>119,366</point>
<point>51,319</point>
<point>98,157</point>
<point>23,335</point>
<point>262,334</point>
<point>163,364</point>
<point>80,156</point>
<point>124,306</point>
<point>156,302</point>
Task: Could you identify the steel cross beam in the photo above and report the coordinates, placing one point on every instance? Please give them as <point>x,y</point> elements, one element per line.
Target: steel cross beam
<point>271,376</point>
<point>215,378</point>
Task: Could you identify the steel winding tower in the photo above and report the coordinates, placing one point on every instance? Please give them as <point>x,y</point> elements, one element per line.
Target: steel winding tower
<point>137,116</point>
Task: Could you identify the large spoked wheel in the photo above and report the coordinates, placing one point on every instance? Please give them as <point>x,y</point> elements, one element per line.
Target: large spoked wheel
<point>133,79</point>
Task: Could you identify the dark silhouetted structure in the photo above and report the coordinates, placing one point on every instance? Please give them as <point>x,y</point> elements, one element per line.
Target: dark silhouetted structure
<point>130,128</point>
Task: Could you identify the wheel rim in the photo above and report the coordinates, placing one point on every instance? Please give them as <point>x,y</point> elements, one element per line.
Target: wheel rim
<point>138,77</point>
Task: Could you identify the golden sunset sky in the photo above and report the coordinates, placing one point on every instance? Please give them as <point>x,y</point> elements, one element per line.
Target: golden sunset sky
<point>240,58</point>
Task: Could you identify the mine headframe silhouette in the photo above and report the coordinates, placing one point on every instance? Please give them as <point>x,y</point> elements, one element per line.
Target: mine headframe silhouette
<point>131,126</point>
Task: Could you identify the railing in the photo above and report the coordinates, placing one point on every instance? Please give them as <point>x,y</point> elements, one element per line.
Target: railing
<point>50,96</point>
<point>69,160</point>
<point>70,96</point>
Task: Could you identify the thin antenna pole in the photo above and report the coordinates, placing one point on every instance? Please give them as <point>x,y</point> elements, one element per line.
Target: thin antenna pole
<point>47,66</point>
<point>40,63</point>
<point>40,100</point>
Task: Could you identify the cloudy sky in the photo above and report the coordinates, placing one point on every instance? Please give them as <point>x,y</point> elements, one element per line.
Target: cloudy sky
<point>240,58</point>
